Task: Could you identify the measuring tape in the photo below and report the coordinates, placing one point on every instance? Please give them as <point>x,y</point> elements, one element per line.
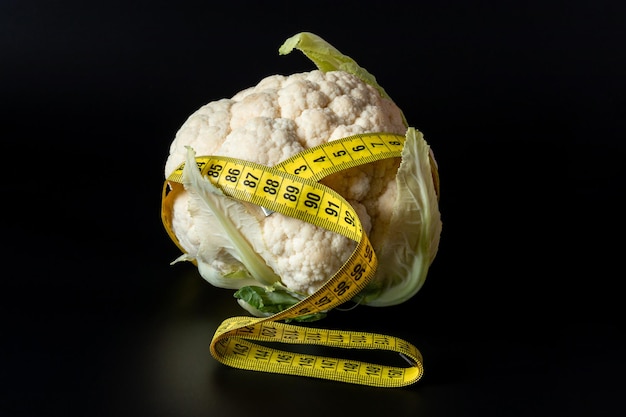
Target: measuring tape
<point>292,188</point>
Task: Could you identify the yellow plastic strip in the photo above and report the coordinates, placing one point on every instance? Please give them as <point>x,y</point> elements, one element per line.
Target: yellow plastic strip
<point>231,344</point>
<point>291,188</point>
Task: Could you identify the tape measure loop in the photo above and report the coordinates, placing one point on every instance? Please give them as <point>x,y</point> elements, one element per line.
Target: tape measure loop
<point>232,345</point>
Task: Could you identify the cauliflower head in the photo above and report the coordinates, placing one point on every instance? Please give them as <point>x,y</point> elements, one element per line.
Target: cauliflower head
<point>266,124</point>
<point>277,118</point>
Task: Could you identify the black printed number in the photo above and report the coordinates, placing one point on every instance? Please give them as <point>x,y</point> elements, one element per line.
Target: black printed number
<point>291,193</point>
<point>357,272</point>
<point>271,186</point>
<point>349,218</point>
<point>312,200</point>
<point>251,180</point>
<point>232,174</point>
<point>214,170</point>
<point>332,209</point>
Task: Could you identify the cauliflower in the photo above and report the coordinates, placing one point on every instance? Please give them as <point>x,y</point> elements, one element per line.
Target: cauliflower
<point>277,118</point>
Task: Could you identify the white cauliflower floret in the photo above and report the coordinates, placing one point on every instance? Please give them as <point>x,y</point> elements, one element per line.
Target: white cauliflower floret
<point>268,123</point>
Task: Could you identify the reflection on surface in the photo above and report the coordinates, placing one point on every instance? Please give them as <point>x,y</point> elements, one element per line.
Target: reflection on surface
<point>183,378</point>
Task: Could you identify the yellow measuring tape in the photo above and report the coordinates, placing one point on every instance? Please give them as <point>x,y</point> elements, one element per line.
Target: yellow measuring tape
<point>292,188</point>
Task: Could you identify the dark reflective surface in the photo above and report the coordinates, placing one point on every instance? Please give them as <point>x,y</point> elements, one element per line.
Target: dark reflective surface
<point>146,353</point>
<point>521,314</point>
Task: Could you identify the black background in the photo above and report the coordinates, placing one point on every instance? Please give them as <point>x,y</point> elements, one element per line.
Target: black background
<point>522,102</point>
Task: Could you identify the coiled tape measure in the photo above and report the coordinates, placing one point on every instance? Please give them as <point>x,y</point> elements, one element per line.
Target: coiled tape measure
<point>292,188</point>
